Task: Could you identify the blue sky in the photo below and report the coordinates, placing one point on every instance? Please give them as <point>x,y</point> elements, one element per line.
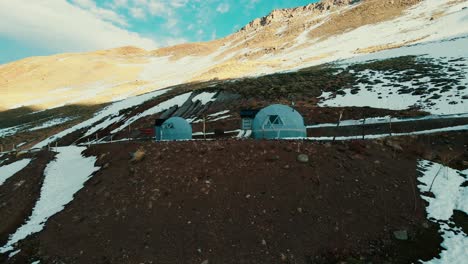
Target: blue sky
<point>34,28</point>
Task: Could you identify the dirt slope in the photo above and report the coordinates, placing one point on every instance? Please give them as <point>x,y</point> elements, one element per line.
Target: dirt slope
<point>246,202</point>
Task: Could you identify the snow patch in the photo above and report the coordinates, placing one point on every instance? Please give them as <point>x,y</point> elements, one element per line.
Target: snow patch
<point>109,113</point>
<point>380,90</point>
<point>219,113</point>
<point>386,119</point>
<point>449,195</point>
<point>64,176</point>
<point>12,254</point>
<point>204,97</point>
<point>5,132</point>
<point>175,101</point>
<point>375,136</point>
<point>282,29</point>
<point>53,122</point>
<point>11,169</point>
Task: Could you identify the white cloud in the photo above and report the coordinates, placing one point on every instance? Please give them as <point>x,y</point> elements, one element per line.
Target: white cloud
<point>60,26</point>
<point>223,8</point>
<point>213,35</point>
<point>179,3</point>
<point>171,23</point>
<point>157,8</point>
<point>174,41</point>
<point>101,13</point>
<point>137,13</point>
<point>120,3</point>
<point>251,3</point>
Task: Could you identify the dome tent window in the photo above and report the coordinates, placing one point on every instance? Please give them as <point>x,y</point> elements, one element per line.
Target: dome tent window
<point>174,128</point>
<point>274,120</point>
<point>169,126</point>
<point>278,121</point>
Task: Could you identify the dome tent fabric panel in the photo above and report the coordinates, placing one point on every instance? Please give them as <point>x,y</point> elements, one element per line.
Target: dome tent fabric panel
<point>174,128</point>
<point>278,121</point>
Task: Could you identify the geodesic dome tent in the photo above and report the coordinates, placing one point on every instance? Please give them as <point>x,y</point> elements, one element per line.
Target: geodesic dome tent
<point>278,121</point>
<point>174,128</point>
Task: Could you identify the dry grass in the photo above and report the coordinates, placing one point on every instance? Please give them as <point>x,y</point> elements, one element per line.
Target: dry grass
<point>188,49</point>
<point>233,69</point>
<point>378,48</point>
<point>138,155</point>
<point>369,12</point>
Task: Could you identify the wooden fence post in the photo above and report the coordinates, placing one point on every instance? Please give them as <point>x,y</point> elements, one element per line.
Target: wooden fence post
<point>390,125</point>
<point>129,132</point>
<point>338,124</point>
<point>204,127</point>
<point>363,128</point>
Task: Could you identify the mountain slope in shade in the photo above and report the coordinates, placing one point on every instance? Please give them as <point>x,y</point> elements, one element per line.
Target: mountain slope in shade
<point>286,39</point>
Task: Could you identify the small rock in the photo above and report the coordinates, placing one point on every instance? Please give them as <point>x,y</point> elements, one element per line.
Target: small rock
<point>401,235</point>
<point>425,224</point>
<point>273,158</point>
<point>264,242</point>
<point>205,262</point>
<point>105,166</point>
<point>393,145</point>
<point>342,148</point>
<point>303,158</point>
<point>299,210</point>
<point>288,149</point>
<point>286,167</point>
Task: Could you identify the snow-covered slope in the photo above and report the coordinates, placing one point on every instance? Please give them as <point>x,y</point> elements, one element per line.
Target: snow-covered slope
<point>441,90</point>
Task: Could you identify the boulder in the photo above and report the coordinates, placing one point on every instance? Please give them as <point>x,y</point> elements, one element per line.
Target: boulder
<point>303,158</point>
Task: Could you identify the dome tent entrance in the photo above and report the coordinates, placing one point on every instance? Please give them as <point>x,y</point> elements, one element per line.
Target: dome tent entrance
<point>278,121</point>
<point>174,128</point>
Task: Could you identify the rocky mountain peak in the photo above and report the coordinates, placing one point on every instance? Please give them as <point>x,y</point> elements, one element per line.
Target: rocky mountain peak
<point>279,15</point>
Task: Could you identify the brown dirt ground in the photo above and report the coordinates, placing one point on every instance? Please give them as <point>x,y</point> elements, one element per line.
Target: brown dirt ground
<point>246,201</point>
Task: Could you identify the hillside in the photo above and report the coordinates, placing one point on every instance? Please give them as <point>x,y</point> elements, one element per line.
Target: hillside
<point>231,201</point>
<point>379,177</point>
<point>283,40</point>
